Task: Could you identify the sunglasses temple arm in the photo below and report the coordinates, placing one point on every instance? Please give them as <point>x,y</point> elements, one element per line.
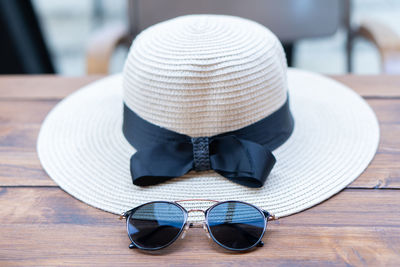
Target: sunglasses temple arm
<point>260,244</point>
<point>125,214</point>
<point>122,216</point>
<point>269,216</point>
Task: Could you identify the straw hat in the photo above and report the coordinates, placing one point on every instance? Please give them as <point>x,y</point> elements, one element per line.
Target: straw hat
<point>203,75</point>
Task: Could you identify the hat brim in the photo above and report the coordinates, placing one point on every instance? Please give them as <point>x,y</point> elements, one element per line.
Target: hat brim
<point>336,134</point>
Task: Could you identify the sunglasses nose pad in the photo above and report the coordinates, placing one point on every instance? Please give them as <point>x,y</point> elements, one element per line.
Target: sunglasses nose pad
<point>185,229</point>
<point>206,230</point>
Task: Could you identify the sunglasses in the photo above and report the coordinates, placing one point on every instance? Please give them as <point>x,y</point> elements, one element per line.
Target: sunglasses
<point>233,225</point>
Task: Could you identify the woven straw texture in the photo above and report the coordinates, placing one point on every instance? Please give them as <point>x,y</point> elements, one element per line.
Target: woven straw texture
<point>203,75</point>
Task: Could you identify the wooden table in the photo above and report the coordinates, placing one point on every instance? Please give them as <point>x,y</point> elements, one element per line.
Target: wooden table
<point>42,225</point>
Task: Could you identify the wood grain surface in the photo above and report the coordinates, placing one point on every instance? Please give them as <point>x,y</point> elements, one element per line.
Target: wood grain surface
<point>42,225</point>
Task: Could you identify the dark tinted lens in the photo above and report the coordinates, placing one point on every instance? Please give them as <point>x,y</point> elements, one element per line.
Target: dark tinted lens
<point>236,225</point>
<point>155,225</point>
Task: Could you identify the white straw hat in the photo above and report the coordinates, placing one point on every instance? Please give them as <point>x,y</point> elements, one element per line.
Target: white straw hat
<point>203,75</point>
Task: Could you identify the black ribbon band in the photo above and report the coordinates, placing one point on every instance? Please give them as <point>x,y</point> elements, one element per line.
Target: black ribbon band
<point>243,156</point>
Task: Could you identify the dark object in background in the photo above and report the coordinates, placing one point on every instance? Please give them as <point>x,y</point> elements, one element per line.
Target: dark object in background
<point>22,46</point>
<point>289,47</point>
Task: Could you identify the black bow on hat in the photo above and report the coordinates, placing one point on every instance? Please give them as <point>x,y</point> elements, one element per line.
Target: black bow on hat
<point>243,156</point>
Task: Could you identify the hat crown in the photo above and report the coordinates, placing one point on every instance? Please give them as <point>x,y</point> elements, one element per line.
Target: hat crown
<point>203,75</point>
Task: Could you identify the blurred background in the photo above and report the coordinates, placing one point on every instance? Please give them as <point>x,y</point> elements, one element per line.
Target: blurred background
<point>79,37</point>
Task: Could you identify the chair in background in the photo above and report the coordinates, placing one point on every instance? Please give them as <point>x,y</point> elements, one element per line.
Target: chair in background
<point>290,20</point>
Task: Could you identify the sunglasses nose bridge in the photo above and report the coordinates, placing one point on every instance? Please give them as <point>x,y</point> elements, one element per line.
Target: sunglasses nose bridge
<point>206,230</point>
<point>195,224</point>
<point>196,210</point>
<point>185,229</point>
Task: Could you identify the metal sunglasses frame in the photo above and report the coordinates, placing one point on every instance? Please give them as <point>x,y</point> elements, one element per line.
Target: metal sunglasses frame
<point>186,224</point>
